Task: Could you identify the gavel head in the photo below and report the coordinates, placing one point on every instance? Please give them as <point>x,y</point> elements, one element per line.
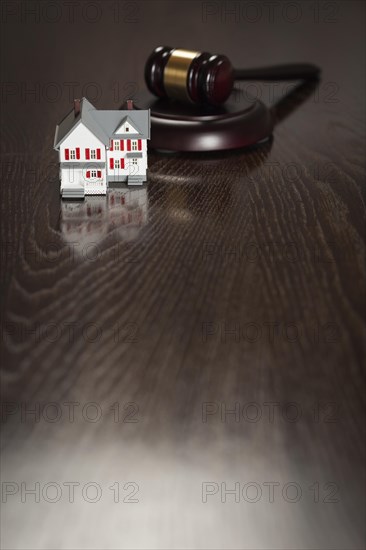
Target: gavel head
<point>190,76</point>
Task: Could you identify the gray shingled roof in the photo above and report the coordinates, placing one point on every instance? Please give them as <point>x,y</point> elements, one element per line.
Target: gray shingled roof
<point>103,124</point>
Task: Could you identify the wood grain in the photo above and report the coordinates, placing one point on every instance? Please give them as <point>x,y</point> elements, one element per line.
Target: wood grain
<point>233,278</point>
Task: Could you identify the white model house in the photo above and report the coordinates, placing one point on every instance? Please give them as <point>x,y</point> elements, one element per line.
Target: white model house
<point>97,148</point>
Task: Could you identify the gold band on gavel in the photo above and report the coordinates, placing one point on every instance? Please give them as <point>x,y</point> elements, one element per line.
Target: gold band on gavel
<point>176,72</point>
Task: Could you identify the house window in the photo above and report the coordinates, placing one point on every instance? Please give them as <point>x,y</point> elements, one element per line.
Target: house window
<point>116,145</point>
<point>127,129</point>
<point>116,164</point>
<point>72,154</point>
<point>93,174</point>
<point>134,161</point>
<point>134,145</point>
<point>91,154</point>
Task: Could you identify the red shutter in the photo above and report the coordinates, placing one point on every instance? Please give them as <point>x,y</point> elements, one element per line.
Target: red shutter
<point>111,147</point>
<point>139,144</point>
<point>98,154</point>
<point>78,153</point>
<point>121,144</point>
<point>99,173</point>
<point>111,163</point>
<point>67,156</point>
<point>128,145</point>
<point>88,173</point>
<point>87,154</point>
<point>122,163</point>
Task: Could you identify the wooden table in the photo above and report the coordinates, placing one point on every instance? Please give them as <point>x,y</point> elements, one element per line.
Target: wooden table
<point>203,334</point>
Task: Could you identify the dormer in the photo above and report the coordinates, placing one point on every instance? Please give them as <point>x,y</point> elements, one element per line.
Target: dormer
<point>126,127</point>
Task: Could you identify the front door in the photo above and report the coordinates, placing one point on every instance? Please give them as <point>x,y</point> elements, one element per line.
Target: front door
<point>133,167</point>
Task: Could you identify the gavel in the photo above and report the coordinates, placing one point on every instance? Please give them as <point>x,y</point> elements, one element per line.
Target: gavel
<point>205,78</point>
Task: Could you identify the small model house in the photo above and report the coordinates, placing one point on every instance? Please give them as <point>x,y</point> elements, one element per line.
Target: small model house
<point>98,148</point>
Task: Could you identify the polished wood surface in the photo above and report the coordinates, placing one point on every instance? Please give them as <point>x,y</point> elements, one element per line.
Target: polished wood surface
<point>230,281</point>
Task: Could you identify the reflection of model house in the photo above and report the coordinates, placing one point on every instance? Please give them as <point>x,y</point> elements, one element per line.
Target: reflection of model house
<point>127,207</point>
<point>97,148</point>
<point>89,222</point>
<point>84,223</point>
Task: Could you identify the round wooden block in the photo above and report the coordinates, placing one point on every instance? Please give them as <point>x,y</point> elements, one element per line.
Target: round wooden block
<point>176,126</point>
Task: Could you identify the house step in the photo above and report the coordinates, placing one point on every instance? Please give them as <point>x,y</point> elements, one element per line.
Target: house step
<point>135,179</point>
<point>73,193</point>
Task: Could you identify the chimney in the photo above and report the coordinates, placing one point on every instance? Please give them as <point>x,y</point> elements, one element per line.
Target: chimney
<point>130,105</point>
<point>76,107</point>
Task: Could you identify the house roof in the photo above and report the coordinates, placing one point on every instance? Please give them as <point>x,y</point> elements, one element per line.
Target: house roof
<point>103,124</point>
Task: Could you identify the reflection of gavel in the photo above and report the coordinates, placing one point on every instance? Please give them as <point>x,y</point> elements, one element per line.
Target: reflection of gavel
<point>200,77</point>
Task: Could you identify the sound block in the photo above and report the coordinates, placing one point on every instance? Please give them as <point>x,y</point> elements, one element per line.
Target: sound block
<point>240,122</point>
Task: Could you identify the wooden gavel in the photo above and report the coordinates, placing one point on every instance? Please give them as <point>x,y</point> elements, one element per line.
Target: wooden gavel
<point>201,77</point>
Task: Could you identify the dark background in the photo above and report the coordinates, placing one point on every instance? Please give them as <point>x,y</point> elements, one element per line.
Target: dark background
<point>234,279</point>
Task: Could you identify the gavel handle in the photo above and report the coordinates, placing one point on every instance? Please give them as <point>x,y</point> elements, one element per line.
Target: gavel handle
<point>295,71</point>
